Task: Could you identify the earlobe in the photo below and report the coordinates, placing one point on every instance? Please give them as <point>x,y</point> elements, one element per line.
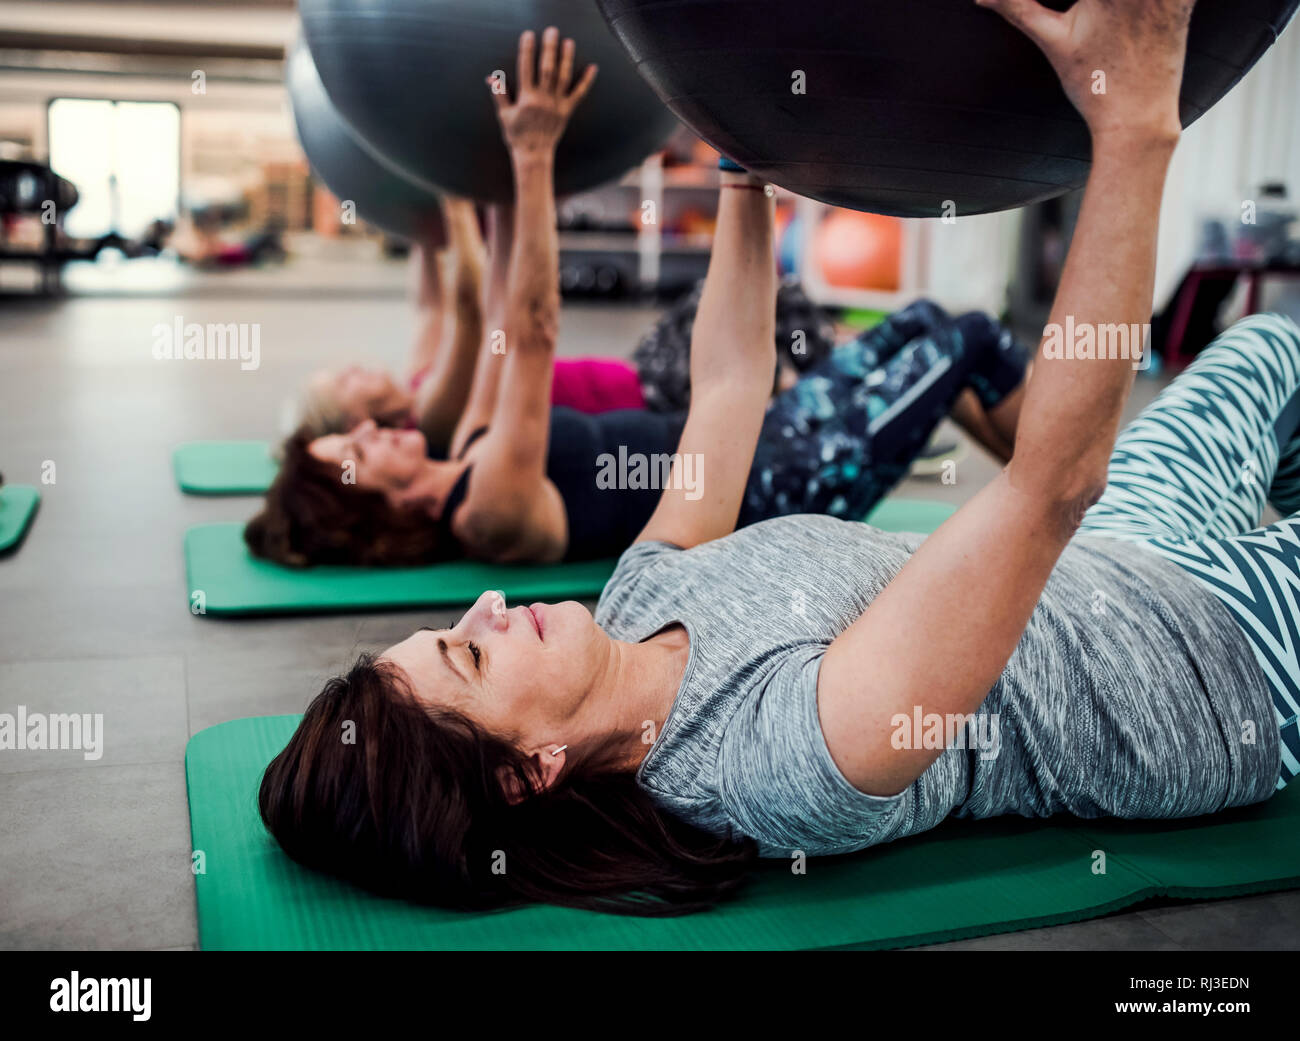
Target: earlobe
<point>512,786</point>
<point>550,763</point>
<point>544,768</point>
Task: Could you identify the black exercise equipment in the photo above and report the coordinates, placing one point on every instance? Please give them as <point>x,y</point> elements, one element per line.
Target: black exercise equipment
<point>383,196</point>
<point>410,78</point>
<point>907,104</point>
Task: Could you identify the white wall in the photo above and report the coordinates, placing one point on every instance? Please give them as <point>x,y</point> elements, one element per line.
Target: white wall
<point>1251,136</point>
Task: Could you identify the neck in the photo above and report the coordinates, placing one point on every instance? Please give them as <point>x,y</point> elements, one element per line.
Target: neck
<point>636,691</point>
<point>433,485</point>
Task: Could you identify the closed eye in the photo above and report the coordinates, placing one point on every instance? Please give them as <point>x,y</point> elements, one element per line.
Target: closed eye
<point>478,655</point>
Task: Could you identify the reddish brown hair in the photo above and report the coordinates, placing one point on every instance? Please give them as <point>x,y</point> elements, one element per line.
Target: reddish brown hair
<point>311,516</point>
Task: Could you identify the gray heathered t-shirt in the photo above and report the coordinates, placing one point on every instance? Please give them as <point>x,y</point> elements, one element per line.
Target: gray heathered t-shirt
<point>1132,692</point>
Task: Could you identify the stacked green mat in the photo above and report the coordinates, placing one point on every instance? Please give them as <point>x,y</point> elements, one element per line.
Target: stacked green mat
<point>965,878</point>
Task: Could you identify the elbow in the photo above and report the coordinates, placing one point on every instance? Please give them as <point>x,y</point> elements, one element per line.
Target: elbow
<point>1061,494</point>
<point>1073,505</point>
<point>485,533</point>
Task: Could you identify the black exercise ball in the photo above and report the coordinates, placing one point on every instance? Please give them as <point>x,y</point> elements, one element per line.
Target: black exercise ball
<point>908,104</point>
<point>410,77</point>
<point>351,170</point>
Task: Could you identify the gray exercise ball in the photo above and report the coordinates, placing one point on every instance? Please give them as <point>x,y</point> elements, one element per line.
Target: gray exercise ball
<point>409,76</point>
<point>383,196</point>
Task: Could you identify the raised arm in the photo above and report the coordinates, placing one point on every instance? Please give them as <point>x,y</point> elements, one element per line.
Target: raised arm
<point>941,633</point>
<point>733,353</point>
<point>430,304</point>
<point>482,401</point>
<point>512,511</point>
<point>446,387</point>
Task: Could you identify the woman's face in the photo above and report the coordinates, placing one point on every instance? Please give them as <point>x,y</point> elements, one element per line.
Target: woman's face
<point>382,459</point>
<point>521,672</point>
<point>362,393</point>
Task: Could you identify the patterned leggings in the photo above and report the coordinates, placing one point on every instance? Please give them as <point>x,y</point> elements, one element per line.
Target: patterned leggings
<point>845,434</point>
<point>1189,479</point>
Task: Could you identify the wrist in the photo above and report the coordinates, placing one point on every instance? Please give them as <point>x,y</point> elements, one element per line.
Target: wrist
<point>1129,141</point>
<point>532,158</point>
<point>739,179</point>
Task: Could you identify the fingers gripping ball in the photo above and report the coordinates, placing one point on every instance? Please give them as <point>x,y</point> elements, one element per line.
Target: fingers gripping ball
<point>408,77</point>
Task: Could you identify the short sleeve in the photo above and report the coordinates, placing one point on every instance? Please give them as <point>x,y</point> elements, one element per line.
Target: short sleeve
<point>777,780</point>
<point>619,600</point>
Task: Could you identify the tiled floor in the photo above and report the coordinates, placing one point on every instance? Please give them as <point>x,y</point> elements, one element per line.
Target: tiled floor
<point>93,615</point>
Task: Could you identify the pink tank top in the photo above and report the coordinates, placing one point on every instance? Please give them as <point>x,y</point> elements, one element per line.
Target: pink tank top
<point>590,385</point>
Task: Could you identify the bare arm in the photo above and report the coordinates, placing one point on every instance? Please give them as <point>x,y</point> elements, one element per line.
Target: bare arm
<point>430,305</point>
<point>513,512</point>
<point>446,387</point>
<point>732,356</point>
<point>487,372</point>
<point>941,633</point>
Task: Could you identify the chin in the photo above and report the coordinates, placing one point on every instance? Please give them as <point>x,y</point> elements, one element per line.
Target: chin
<point>572,616</point>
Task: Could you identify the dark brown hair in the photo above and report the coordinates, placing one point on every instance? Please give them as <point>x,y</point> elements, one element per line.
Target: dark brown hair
<point>311,516</point>
<point>414,807</point>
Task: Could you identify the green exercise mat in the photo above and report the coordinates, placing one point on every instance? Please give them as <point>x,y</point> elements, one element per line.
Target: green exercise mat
<point>965,878</point>
<point>225,578</point>
<point>224,467</point>
<point>18,504</point>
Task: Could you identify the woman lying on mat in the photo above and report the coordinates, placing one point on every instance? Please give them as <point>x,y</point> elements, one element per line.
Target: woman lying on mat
<point>1060,645</point>
<point>530,483</point>
<point>441,372</point>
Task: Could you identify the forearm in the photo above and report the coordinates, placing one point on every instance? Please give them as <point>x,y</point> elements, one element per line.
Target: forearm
<point>501,244</point>
<point>487,372</point>
<point>532,296</point>
<point>1072,405</point>
<point>733,351</point>
<point>734,334</point>
<point>430,306</point>
<point>446,390</point>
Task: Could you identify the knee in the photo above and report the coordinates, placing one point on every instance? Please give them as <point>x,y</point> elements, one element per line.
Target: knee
<point>978,330</point>
<point>926,310</point>
<point>1274,332</point>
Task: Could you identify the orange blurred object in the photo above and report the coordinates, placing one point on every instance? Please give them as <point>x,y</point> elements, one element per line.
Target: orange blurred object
<point>860,250</point>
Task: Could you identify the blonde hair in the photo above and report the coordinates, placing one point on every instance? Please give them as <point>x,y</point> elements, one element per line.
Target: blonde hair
<point>318,411</point>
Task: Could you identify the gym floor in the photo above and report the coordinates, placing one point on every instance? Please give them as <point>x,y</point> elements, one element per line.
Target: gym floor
<point>94,615</point>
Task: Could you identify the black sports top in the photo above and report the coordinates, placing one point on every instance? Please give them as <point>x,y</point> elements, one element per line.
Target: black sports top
<point>603,520</point>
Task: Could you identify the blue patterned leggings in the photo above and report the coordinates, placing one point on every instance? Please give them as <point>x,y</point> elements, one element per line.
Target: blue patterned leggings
<point>1189,479</point>
<point>848,431</point>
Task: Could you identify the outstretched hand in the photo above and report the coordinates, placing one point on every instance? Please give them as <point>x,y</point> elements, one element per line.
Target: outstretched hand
<point>534,121</point>
<point>1120,61</point>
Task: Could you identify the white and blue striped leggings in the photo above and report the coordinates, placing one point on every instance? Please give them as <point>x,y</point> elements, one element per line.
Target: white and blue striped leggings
<point>1190,478</point>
